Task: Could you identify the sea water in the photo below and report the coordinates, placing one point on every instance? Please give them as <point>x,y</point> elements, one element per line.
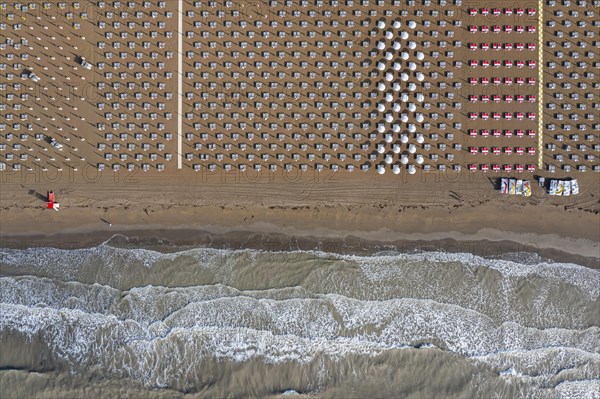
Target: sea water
<point>237,323</point>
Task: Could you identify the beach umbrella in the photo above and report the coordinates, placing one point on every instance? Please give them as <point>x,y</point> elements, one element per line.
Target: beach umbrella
<point>396,148</point>
<point>389,159</point>
<point>412,87</point>
<point>397,66</point>
<point>381,65</point>
<point>420,97</point>
<point>412,128</point>
<point>396,46</point>
<point>389,77</point>
<point>381,107</point>
<point>389,97</point>
<point>412,170</point>
<point>380,128</point>
<point>404,97</point>
<point>412,107</point>
<point>389,56</point>
<point>404,35</point>
<point>404,138</point>
<point>404,55</point>
<point>404,118</point>
<point>396,169</point>
<point>388,138</point>
<point>380,45</point>
<point>396,24</point>
<point>389,118</point>
<point>420,117</point>
<point>396,86</point>
<point>420,138</point>
<point>420,55</point>
<point>412,24</point>
<point>404,159</point>
<point>380,148</point>
<point>380,25</point>
<point>395,128</point>
<point>396,107</point>
<point>412,66</point>
<point>381,86</point>
<point>420,77</point>
<point>404,76</point>
<point>389,35</point>
<point>412,148</point>
<point>380,169</point>
<point>412,45</point>
<point>420,159</point>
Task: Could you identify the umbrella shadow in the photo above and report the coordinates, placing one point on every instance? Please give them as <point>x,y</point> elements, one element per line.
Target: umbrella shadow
<point>37,195</point>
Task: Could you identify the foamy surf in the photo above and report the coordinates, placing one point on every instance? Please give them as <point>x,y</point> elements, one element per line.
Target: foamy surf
<point>161,319</point>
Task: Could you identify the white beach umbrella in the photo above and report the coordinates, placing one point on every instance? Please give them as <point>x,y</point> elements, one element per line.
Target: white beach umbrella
<point>420,77</point>
<point>412,86</point>
<point>388,138</point>
<point>396,107</point>
<point>381,107</point>
<point>396,86</point>
<point>380,148</point>
<point>380,45</point>
<point>420,117</point>
<point>381,169</point>
<point>389,77</point>
<point>381,128</point>
<point>381,86</point>
<point>404,159</point>
<point>380,25</point>
<point>404,138</point>
<point>412,66</point>
<point>396,148</point>
<point>412,45</point>
<point>404,97</point>
<point>389,118</point>
<point>412,107</point>
<point>420,159</point>
<point>397,66</point>
<point>404,35</point>
<point>412,128</point>
<point>412,148</point>
<point>420,97</point>
<point>404,76</point>
<point>404,118</point>
<point>420,138</point>
<point>381,65</point>
<point>395,128</point>
<point>389,56</point>
<point>412,24</point>
<point>396,169</point>
<point>389,35</point>
<point>404,55</point>
<point>389,159</point>
<point>412,170</point>
<point>389,97</point>
<point>420,55</point>
<point>396,24</point>
<point>396,46</point>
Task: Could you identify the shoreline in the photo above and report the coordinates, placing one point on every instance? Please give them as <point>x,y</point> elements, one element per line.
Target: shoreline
<point>493,244</point>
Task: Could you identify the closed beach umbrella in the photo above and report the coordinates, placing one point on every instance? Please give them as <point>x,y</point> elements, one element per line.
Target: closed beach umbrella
<point>412,148</point>
<point>380,169</point>
<point>420,159</point>
<point>412,170</point>
<point>396,169</point>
